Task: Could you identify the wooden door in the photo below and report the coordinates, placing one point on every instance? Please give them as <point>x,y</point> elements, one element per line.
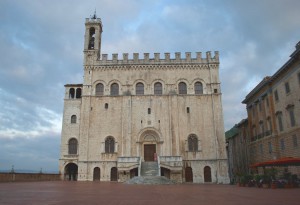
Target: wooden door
<point>96,176</point>
<point>114,174</point>
<point>188,174</point>
<point>149,150</point>
<point>207,174</point>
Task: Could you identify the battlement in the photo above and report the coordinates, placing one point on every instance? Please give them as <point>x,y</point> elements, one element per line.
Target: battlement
<point>93,20</point>
<point>157,60</point>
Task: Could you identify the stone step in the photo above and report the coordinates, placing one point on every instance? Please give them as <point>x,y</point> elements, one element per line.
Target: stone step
<point>150,180</point>
<point>149,169</point>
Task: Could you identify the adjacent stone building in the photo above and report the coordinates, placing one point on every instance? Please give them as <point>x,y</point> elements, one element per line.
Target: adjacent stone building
<point>273,110</point>
<point>237,140</point>
<point>130,110</point>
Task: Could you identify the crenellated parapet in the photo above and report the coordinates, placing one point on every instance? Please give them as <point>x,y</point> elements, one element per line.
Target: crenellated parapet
<point>158,60</point>
<point>93,20</point>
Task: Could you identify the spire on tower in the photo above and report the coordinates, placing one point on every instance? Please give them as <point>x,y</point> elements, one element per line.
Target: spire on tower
<point>94,16</point>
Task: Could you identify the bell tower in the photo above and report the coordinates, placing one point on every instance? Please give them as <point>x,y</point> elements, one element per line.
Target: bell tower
<point>92,39</point>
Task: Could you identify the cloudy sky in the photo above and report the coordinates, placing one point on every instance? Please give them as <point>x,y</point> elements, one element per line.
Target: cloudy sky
<point>41,44</point>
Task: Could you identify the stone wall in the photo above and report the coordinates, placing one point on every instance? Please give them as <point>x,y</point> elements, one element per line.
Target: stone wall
<point>26,177</point>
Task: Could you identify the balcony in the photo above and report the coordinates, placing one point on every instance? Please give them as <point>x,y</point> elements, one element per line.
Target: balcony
<point>126,163</point>
<point>171,161</point>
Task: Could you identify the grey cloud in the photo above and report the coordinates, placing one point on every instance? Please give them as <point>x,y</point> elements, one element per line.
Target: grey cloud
<point>31,154</point>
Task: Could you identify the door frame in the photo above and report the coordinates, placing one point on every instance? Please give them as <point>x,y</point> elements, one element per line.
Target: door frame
<point>149,144</point>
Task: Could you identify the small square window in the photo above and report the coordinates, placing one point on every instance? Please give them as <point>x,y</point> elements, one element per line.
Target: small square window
<point>215,90</point>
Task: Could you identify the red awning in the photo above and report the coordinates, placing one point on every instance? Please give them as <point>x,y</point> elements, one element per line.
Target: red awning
<point>287,161</point>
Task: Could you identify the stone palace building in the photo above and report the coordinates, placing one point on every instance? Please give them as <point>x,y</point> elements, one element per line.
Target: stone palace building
<point>151,109</point>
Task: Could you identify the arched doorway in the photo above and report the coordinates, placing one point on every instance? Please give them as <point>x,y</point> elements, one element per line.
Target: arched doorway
<point>114,174</point>
<point>207,174</point>
<point>96,175</point>
<point>149,152</point>
<point>188,174</point>
<point>134,172</point>
<point>71,171</point>
<point>150,143</point>
<point>165,172</point>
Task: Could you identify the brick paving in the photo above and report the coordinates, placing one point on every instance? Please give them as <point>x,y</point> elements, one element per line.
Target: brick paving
<point>86,193</point>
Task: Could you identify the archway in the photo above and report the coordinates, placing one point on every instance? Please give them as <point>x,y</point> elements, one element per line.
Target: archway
<point>71,171</point>
<point>207,174</point>
<point>150,143</point>
<point>96,175</point>
<point>114,174</point>
<point>165,172</point>
<point>188,174</point>
<point>134,172</point>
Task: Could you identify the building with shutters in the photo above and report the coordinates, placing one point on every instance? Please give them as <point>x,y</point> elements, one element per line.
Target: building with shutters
<point>132,110</point>
<point>273,111</point>
<point>269,137</point>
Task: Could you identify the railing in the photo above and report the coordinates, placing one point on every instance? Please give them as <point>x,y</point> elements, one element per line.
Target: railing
<point>128,159</point>
<point>170,159</point>
<point>158,162</point>
<point>140,166</point>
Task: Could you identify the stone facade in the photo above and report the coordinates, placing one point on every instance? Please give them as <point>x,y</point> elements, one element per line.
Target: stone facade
<point>143,109</point>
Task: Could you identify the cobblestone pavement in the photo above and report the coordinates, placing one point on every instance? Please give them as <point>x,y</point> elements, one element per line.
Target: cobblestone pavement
<point>86,193</point>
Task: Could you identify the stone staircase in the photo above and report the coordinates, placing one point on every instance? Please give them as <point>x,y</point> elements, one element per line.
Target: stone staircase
<point>149,175</point>
<point>150,180</point>
<point>149,169</point>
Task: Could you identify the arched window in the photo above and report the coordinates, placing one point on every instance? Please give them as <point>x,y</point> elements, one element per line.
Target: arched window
<point>99,89</point>
<point>114,89</point>
<point>92,38</point>
<point>158,88</point>
<point>193,143</point>
<point>73,119</point>
<point>139,89</point>
<point>109,145</point>
<point>182,88</point>
<point>198,88</point>
<point>71,93</point>
<point>78,93</point>
<point>73,146</point>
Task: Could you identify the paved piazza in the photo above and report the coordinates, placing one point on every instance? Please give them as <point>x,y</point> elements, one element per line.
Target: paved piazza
<point>116,193</point>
